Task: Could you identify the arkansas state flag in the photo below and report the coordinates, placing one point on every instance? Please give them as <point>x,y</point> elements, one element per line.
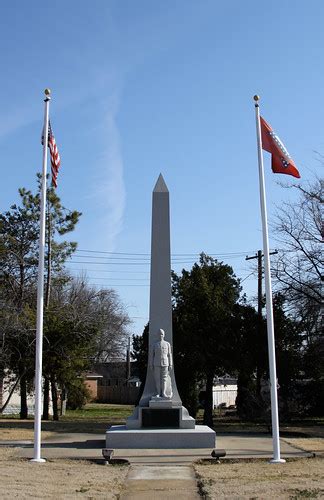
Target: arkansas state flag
<point>282,162</point>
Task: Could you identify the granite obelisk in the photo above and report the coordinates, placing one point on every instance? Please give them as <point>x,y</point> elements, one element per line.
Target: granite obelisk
<point>160,420</point>
<point>160,409</point>
<point>160,316</point>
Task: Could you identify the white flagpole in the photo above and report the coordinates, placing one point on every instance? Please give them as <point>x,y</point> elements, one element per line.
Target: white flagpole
<point>40,295</point>
<point>269,308</point>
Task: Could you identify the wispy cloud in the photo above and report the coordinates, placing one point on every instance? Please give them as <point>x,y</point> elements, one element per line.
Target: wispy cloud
<point>15,118</point>
<point>109,189</point>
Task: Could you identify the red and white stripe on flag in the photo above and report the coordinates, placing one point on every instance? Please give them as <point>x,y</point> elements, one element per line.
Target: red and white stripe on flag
<point>55,157</point>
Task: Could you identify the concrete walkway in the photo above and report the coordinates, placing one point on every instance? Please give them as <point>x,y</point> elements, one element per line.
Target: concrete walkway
<point>89,446</point>
<point>159,482</point>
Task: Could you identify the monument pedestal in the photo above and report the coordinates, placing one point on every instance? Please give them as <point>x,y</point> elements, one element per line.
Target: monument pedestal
<point>120,437</point>
<point>163,424</point>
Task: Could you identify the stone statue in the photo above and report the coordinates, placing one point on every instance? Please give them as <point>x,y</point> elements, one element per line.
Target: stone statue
<point>161,363</point>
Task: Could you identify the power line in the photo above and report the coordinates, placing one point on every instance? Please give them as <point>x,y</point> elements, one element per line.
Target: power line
<point>111,253</point>
<point>113,279</point>
<point>123,263</point>
<point>115,285</point>
<point>221,254</point>
<point>246,277</point>
<point>132,263</point>
<point>116,263</point>
<point>112,271</point>
<point>116,258</point>
<point>133,259</point>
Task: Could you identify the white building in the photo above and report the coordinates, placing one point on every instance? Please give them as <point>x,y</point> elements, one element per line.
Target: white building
<point>224,392</point>
<point>13,407</point>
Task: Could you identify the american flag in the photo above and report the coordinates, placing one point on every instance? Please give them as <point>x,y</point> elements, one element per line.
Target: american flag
<point>55,157</point>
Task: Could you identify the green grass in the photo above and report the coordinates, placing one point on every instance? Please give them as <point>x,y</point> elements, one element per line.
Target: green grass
<point>93,418</point>
<point>93,411</point>
<point>96,418</point>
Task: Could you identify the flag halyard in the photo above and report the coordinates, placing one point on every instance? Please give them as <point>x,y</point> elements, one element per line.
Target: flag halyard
<point>282,162</point>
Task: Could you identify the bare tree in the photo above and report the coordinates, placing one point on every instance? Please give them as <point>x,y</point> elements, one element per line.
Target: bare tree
<point>82,325</point>
<point>299,267</point>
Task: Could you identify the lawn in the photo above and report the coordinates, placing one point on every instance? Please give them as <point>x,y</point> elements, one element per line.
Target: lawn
<point>93,418</point>
<point>257,479</point>
<point>297,479</point>
<point>58,478</point>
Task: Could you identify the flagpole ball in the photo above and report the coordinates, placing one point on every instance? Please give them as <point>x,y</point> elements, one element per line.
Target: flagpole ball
<point>47,92</point>
<point>256,98</point>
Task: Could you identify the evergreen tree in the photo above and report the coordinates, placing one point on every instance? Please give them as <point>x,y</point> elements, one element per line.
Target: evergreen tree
<point>19,236</point>
<point>204,300</point>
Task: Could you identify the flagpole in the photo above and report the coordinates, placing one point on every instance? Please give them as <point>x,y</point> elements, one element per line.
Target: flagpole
<point>40,295</point>
<point>269,307</point>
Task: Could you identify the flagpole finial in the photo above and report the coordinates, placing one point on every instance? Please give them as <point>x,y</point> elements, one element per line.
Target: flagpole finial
<point>47,92</point>
<point>256,97</point>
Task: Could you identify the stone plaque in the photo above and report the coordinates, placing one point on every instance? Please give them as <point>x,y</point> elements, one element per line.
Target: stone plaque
<point>161,417</point>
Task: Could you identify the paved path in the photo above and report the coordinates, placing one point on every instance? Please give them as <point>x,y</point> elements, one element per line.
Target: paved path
<point>157,482</point>
<point>89,446</point>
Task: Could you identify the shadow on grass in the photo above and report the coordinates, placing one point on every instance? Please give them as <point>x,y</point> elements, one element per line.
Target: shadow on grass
<point>89,444</point>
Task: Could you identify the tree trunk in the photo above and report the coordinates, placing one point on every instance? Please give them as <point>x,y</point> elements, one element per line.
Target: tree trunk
<point>46,398</point>
<point>12,390</point>
<point>46,304</point>
<point>261,358</point>
<point>23,397</point>
<point>49,257</point>
<point>208,413</point>
<point>63,401</point>
<point>259,374</point>
<point>54,398</point>
<point>1,392</point>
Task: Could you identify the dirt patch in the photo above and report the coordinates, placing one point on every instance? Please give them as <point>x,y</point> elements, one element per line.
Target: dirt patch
<point>310,444</point>
<point>303,431</point>
<point>15,429</point>
<point>68,479</point>
<point>302,478</point>
<point>12,434</point>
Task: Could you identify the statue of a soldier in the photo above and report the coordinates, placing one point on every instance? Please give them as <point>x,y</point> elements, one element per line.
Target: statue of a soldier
<point>161,363</point>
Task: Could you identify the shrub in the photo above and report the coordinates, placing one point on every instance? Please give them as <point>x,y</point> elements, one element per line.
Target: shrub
<point>78,395</point>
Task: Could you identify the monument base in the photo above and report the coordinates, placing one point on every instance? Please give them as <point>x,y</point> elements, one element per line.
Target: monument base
<point>119,437</point>
<point>162,413</point>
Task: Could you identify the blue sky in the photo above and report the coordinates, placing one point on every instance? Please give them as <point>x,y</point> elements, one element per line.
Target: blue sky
<point>143,87</point>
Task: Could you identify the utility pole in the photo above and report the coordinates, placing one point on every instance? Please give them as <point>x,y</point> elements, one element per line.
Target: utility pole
<point>259,256</point>
<point>128,366</point>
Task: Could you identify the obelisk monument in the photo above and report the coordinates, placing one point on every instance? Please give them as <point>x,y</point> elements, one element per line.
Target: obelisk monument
<point>160,316</point>
<point>160,420</point>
